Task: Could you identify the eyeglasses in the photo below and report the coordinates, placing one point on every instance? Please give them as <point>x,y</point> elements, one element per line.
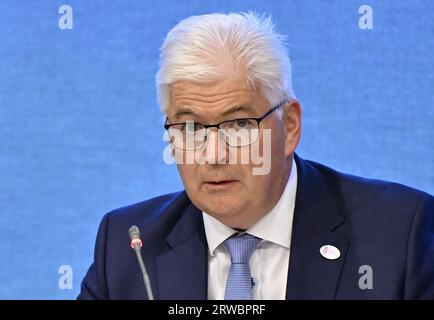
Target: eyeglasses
<point>240,132</point>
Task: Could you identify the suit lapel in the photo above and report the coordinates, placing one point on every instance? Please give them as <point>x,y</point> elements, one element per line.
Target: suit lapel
<point>316,220</point>
<point>182,272</point>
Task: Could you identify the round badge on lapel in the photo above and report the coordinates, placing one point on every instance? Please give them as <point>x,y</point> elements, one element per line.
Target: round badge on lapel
<point>330,252</point>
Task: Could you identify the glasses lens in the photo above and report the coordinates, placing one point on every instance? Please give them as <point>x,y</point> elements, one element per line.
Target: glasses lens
<point>187,136</point>
<point>240,132</point>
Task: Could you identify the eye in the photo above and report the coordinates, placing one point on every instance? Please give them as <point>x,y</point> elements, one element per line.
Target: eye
<point>190,126</point>
<point>242,123</point>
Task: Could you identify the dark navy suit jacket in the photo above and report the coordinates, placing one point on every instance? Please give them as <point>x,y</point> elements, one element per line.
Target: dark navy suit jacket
<point>386,226</point>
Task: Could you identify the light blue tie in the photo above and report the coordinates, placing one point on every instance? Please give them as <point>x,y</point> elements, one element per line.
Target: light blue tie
<point>239,282</point>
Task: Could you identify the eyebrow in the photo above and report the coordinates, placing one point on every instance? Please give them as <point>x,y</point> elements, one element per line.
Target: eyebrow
<point>183,111</point>
<point>187,111</point>
<point>240,108</point>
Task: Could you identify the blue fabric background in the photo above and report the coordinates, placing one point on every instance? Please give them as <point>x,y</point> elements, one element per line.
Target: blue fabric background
<point>81,132</point>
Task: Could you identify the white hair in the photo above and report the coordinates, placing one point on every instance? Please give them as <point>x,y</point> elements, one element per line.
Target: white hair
<point>212,47</point>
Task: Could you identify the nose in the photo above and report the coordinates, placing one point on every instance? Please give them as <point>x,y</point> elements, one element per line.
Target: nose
<point>215,151</point>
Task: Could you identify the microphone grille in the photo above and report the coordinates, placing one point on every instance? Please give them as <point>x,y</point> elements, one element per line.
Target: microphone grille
<point>134,232</point>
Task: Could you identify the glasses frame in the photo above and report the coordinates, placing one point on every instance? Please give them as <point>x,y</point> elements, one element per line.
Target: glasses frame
<point>217,125</point>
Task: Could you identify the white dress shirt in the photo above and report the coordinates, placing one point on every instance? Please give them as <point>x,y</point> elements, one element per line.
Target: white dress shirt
<point>269,262</point>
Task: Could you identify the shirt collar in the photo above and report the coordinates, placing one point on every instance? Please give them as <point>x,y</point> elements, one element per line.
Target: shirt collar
<point>275,226</point>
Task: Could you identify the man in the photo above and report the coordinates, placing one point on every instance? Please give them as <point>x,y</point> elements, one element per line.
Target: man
<point>292,229</point>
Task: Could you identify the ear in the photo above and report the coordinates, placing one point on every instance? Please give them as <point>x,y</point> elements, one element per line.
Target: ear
<point>292,123</point>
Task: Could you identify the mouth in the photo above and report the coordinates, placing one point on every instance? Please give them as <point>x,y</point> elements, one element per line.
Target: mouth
<point>219,184</point>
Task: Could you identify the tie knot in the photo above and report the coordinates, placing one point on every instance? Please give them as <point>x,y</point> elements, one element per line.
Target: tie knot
<point>241,247</point>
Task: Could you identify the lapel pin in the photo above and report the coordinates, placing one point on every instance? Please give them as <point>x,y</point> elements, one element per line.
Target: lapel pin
<point>330,252</point>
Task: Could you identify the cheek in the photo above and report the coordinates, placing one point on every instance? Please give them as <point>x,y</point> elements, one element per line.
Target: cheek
<point>256,185</point>
<point>268,152</point>
<point>188,173</point>
<point>277,148</point>
<point>278,137</point>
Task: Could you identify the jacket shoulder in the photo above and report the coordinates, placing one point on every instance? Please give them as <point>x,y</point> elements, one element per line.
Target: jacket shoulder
<point>147,211</point>
<point>359,191</point>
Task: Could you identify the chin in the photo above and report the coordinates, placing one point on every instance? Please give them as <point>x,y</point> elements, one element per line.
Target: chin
<point>221,211</point>
<point>218,204</point>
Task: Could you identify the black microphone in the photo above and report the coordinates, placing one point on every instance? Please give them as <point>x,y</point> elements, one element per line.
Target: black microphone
<point>136,244</point>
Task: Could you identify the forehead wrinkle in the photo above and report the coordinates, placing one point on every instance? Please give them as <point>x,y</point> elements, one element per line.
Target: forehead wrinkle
<point>204,97</point>
<point>189,105</point>
<point>211,102</point>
